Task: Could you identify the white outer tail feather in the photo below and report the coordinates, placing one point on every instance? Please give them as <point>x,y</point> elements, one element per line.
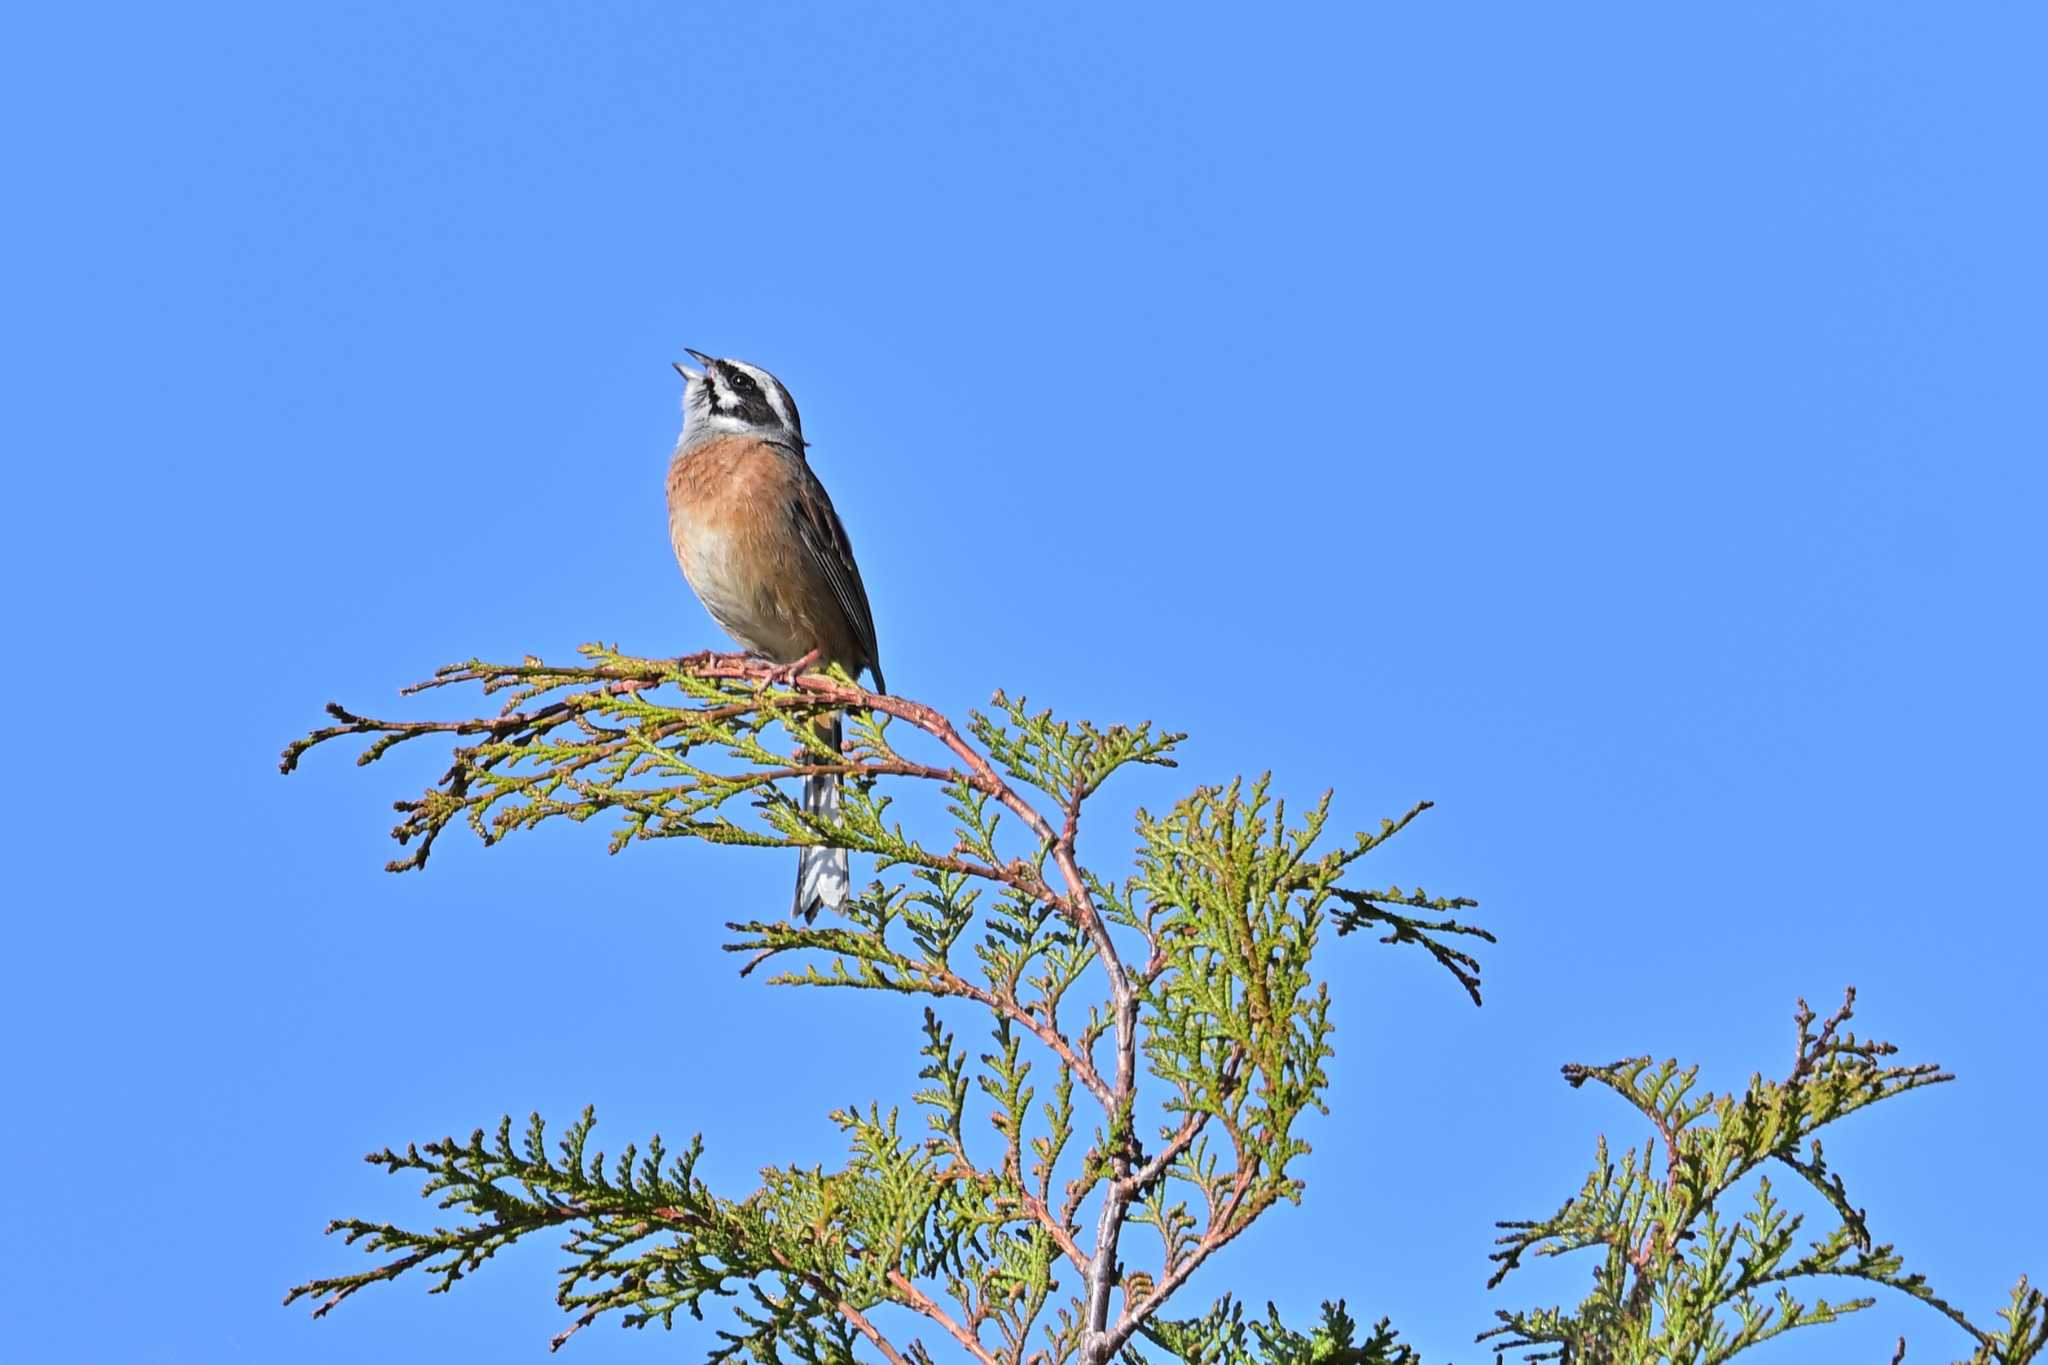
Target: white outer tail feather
<point>824,876</point>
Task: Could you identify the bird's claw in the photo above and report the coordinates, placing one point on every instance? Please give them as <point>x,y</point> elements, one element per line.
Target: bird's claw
<point>785,674</point>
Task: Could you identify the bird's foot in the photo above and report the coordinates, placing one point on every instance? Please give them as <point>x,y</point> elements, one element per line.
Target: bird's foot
<point>785,674</point>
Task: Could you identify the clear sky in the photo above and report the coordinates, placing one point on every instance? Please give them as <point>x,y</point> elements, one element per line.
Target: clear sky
<point>1631,419</point>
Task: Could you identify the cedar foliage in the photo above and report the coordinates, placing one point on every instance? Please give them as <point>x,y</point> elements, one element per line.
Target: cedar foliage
<point>1154,1043</point>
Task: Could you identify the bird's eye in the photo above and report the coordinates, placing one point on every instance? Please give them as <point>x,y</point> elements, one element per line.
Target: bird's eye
<point>745,383</point>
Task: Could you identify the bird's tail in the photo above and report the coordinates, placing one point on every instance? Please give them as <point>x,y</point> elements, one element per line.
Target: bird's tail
<point>824,876</point>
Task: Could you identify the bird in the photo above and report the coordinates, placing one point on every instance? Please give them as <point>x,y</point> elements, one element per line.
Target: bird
<point>762,547</point>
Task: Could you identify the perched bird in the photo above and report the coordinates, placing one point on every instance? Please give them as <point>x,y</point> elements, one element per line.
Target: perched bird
<point>764,551</point>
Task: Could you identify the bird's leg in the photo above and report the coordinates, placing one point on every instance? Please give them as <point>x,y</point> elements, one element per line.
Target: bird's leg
<point>786,673</point>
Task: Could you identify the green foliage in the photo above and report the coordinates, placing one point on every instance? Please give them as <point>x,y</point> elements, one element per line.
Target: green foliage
<point>1154,1044</point>
<point>1222,1336</point>
<point>1183,998</point>
<point>1678,1275</point>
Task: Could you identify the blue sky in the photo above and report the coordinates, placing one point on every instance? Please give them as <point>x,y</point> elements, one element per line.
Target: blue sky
<point>1631,419</point>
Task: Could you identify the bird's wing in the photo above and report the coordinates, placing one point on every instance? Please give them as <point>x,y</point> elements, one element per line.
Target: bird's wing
<point>824,540</point>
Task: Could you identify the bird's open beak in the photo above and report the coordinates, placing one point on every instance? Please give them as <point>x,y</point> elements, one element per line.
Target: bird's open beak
<point>685,371</point>
<point>698,356</point>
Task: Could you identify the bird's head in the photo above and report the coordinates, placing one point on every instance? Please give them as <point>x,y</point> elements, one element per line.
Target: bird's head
<point>733,398</point>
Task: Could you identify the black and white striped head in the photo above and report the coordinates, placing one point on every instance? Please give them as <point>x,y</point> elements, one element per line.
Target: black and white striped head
<point>733,398</point>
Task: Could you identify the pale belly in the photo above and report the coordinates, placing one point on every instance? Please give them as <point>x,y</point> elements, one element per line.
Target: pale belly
<point>739,597</point>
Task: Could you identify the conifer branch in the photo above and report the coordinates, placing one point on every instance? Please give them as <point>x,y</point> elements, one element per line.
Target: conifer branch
<point>1209,1002</point>
<point>1677,1281</point>
<point>1225,1014</point>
